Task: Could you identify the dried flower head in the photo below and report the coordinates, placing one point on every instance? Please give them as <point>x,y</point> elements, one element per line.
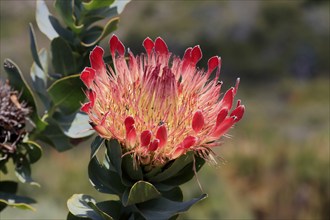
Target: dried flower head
<point>157,105</point>
<point>13,115</point>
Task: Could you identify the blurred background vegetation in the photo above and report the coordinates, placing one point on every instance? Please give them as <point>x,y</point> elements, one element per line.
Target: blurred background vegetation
<point>277,161</point>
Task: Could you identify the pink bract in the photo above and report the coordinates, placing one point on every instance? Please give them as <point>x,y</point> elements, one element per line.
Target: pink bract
<point>158,106</point>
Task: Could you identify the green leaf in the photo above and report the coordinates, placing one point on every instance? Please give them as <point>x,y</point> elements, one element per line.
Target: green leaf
<point>104,216</point>
<point>63,32</point>
<point>54,136</point>
<point>114,154</point>
<point>141,191</point>
<point>66,93</point>
<point>65,9</point>
<point>96,144</point>
<point>79,206</point>
<point>91,35</point>
<point>75,125</point>
<point>62,57</point>
<point>21,202</point>
<point>33,46</point>
<point>39,82</point>
<point>108,28</point>
<point>18,82</point>
<point>113,208</point>
<point>99,14</point>
<point>185,174</point>
<point>174,168</point>
<point>42,18</point>
<point>131,171</point>
<point>95,4</point>
<point>23,170</point>
<point>103,179</point>
<point>34,151</point>
<point>174,194</point>
<point>163,209</point>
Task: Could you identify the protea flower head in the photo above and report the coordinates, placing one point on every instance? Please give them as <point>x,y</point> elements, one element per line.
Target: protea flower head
<point>13,115</point>
<point>157,105</point>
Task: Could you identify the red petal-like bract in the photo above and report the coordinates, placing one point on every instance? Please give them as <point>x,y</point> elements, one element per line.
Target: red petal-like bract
<point>156,105</point>
<point>198,121</point>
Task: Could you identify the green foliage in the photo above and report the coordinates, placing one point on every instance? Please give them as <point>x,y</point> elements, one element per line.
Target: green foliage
<point>143,194</point>
<point>55,92</point>
<point>56,98</point>
<point>8,190</point>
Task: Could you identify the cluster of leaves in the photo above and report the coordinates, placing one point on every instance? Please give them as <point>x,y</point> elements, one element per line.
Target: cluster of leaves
<point>143,193</point>
<point>53,90</point>
<point>27,152</point>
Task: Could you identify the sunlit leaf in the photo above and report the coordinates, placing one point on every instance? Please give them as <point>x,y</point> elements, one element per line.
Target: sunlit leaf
<point>75,125</point>
<point>120,5</point>
<point>78,206</point>
<point>10,199</point>
<point>42,18</point>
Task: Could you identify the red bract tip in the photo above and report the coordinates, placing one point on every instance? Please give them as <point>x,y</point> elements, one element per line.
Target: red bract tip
<point>161,135</point>
<point>148,45</point>
<point>221,116</point>
<point>222,128</point>
<point>237,84</point>
<point>96,58</point>
<point>213,63</point>
<point>145,138</point>
<point>87,76</point>
<point>131,135</point>
<point>153,145</point>
<point>228,98</point>
<point>85,107</point>
<point>160,46</point>
<point>113,44</point>
<point>189,141</point>
<point>238,103</point>
<point>238,112</point>
<point>116,45</point>
<point>129,121</point>
<point>198,121</point>
<point>186,58</point>
<point>196,54</point>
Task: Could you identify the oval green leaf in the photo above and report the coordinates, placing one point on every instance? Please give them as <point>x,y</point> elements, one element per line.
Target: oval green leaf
<point>66,93</point>
<point>141,191</point>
